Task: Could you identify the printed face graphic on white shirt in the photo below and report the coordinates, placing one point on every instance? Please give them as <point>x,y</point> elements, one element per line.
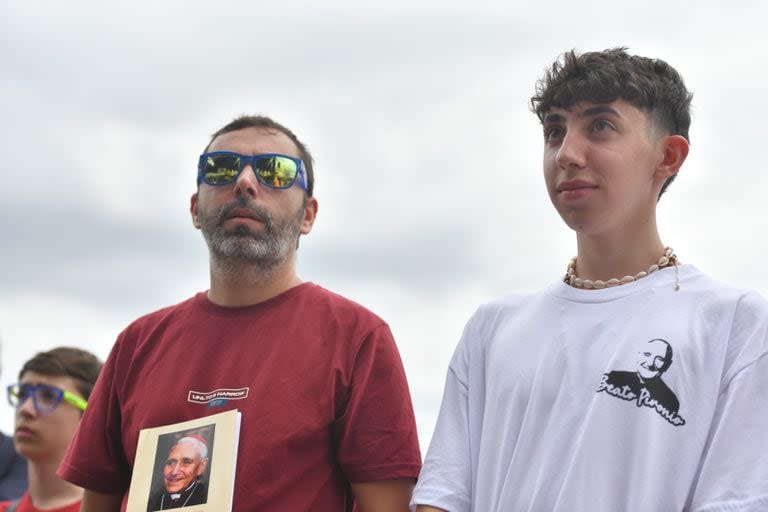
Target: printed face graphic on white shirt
<point>652,359</point>
<point>644,386</point>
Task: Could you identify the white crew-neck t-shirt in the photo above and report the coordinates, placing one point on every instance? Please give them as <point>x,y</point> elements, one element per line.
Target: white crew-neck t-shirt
<point>637,398</point>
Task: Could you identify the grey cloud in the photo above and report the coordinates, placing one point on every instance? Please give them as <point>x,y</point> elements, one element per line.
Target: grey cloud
<point>88,257</point>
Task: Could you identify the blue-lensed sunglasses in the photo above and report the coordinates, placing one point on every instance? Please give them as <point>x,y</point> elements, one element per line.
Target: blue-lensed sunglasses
<point>45,398</point>
<point>272,169</point>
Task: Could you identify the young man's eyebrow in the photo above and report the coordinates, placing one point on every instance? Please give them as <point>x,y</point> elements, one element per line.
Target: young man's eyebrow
<point>553,118</point>
<point>597,110</point>
<point>587,112</point>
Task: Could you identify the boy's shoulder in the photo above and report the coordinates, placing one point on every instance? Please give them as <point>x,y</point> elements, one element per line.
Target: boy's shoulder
<point>509,304</point>
<point>511,307</point>
<point>714,294</point>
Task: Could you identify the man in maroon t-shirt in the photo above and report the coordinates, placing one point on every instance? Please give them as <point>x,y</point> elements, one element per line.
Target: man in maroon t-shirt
<point>327,420</point>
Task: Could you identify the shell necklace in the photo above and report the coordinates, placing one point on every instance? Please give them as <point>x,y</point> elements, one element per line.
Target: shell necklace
<point>667,260</point>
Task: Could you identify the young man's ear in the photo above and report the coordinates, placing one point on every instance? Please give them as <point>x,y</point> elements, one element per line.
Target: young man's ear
<point>675,151</point>
<point>193,210</point>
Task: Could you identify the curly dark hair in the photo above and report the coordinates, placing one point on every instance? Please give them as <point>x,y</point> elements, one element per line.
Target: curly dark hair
<point>242,122</point>
<point>650,85</point>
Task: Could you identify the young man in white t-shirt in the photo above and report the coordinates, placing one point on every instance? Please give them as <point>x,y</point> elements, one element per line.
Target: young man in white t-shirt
<point>634,384</point>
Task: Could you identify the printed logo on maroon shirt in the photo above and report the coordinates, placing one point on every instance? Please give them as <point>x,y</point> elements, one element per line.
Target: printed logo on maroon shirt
<point>217,395</point>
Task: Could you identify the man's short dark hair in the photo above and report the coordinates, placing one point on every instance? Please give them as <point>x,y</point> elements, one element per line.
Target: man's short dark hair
<point>79,364</point>
<point>650,85</point>
<point>269,124</point>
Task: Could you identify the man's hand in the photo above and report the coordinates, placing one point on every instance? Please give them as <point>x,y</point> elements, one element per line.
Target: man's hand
<point>384,496</point>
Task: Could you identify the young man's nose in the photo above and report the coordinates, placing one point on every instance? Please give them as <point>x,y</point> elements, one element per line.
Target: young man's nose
<point>27,406</point>
<point>570,154</point>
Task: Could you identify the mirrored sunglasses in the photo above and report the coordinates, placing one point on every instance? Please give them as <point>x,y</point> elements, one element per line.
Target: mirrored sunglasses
<point>45,398</point>
<point>272,170</point>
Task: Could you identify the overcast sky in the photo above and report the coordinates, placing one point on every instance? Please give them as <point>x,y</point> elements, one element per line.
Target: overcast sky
<point>428,161</point>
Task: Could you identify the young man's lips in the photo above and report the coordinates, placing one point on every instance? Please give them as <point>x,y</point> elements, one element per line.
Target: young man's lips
<point>575,190</point>
<point>24,432</point>
<point>568,186</point>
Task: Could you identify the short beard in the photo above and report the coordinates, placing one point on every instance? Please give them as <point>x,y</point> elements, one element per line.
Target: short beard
<point>262,251</point>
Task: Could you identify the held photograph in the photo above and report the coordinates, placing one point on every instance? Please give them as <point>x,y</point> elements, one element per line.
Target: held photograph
<point>182,467</point>
<point>189,466</point>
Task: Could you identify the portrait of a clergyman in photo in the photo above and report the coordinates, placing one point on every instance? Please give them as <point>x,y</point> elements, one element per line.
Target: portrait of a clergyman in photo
<point>182,466</point>
<point>645,385</point>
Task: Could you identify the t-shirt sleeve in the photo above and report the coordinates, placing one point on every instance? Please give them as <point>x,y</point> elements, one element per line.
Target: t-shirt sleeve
<point>376,434</point>
<point>733,475</point>
<point>95,459</point>
<point>445,480</point>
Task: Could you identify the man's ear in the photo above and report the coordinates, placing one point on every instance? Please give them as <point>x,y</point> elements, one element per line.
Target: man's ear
<point>193,210</point>
<point>674,152</point>
<point>201,468</point>
<point>310,214</point>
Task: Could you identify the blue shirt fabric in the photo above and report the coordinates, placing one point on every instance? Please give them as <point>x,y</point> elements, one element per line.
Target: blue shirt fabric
<point>13,470</point>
